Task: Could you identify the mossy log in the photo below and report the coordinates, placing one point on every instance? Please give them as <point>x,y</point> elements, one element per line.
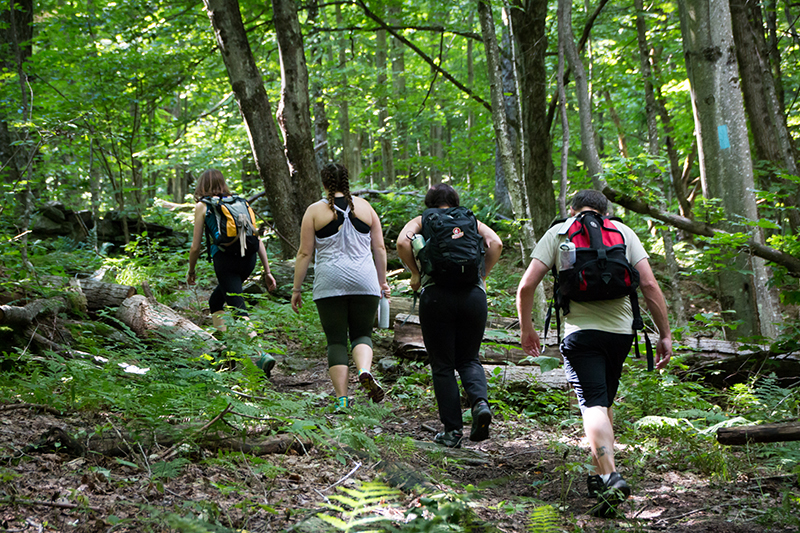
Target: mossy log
<point>760,433</point>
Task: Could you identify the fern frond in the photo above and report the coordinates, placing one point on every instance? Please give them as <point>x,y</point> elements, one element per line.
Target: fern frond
<point>543,519</point>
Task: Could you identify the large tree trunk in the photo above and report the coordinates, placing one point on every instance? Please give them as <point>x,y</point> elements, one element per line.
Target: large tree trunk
<point>771,138</point>
<point>529,26</point>
<point>294,115</point>
<point>257,114</point>
<point>726,169</point>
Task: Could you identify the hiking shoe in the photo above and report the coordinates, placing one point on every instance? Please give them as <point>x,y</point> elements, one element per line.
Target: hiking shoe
<point>451,439</point>
<point>374,390</point>
<point>594,486</point>
<point>343,403</point>
<point>481,418</point>
<point>615,491</point>
<point>266,363</point>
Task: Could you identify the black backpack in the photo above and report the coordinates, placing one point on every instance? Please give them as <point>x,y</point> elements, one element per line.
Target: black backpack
<point>231,225</point>
<point>453,254</point>
<point>592,266</point>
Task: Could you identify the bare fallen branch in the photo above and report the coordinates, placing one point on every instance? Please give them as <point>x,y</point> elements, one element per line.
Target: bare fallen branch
<point>58,505</point>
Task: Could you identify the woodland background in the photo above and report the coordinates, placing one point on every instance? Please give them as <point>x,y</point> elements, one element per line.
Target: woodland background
<point>684,113</point>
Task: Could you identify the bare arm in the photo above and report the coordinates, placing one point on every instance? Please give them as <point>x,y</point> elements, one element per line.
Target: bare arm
<point>269,280</point>
<point>405,251</point>
<point>494,246</point>
<point>657,306</point>
<point>533,276</point>
<point>197,237</point>
<point>303,258</point>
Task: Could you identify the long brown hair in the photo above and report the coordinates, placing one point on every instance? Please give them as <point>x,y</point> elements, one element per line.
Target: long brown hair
<point>335,178</point>
<point>211,183</point>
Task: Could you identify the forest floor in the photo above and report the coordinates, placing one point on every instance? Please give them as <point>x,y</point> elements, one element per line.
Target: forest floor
<point>522,466</point>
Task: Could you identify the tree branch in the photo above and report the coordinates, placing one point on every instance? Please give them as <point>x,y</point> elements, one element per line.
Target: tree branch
<point>790,262</point>
<point>423,55</point>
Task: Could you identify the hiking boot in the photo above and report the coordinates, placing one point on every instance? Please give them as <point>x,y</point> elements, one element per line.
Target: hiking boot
<point>594,486</point>
<point>481,418</point>
<point>266,363</point>
<point>451,439</point>
<point>373,389</point>
<point>615,491</point>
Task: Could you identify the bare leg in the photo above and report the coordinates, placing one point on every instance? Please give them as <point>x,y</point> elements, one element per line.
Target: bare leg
<point>362,357</point>
<point>339,375</point>
<point>600,433</point>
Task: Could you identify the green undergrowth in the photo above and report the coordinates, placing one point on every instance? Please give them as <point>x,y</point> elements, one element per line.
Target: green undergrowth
<point>665,421</point>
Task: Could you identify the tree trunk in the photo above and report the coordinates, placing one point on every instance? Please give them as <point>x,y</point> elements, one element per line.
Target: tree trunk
<point>771,137</point>
<point>513,180</point>
<point>529,26</point>
<point>397,52</point>
<point>764,433</point>
<point>726,169</point>
<point>349,156</point>
<point>588,146</point>
<point>384,130</point>
<point>257,114</point>
<point>511,107</point>
<point>294,115</point>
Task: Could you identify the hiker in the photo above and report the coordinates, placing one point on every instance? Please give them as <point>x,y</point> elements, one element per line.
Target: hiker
<point>344,234</point>
<point>231,267</point>
<point>452,311</point>
<point>598,337</point>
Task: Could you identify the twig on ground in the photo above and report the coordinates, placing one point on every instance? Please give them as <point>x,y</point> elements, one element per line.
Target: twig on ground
<point>168,451</point>
<point>353,471</point>
<point>59,505</point>
<point>45,408</point>
<point>428,427</point>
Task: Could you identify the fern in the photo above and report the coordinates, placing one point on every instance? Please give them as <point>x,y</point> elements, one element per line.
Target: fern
<point>543,519</point>
<point>358,508</point>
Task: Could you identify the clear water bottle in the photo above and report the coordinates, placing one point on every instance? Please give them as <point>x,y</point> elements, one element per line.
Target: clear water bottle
<point>566,255</point>
<point>417,243</point>
<point>383,312</point>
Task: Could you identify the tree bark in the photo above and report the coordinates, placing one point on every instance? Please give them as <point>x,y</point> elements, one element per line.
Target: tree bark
<point>761,433</point>
<point>397,52</point>
<point>529,22</point>
<point>726,169</point>
<point>588,146</point>
<point>294,113</point>
<point>384,130</point>
<point>256,111</point>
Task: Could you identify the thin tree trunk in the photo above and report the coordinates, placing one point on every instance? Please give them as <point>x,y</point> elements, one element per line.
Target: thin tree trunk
<point>397,51</point>
<point>385,134</point>
<point>349,156</point>
<point>565,132</point>
<point>294,114</point>
<point>256,111</point>
<point>588,144</point>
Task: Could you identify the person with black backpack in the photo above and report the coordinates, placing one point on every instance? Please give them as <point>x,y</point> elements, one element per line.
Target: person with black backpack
<point>598,262</point>
<point>233,246</point>
<point>458,253</point>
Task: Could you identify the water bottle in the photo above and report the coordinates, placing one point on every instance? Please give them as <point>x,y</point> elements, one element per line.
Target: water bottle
<point>417,243</point>
<point>383,312</point>
<point>566,255</point>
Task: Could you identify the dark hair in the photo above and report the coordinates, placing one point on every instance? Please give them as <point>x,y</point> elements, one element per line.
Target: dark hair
<point>590,198</point>
<point>336,178</point>
<point>211,183</point>
<point>442,194</point>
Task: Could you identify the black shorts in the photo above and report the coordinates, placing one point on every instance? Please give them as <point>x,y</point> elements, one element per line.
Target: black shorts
<point>593,364</point>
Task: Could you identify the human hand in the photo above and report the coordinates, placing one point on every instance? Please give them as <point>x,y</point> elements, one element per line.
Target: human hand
<point>531,344</point>
<point>191,278</point>
<point>663,352</point>
<point>269,281</point>
<point>386,290</point>
<point>297,301</point>
<point>416,282</point>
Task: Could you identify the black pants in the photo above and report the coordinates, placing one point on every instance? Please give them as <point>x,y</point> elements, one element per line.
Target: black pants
<point>453,321</point>
<point>341,316</point>
<point>232,271</point>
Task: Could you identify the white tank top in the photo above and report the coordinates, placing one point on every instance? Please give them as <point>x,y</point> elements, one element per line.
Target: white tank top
<point>344,263</point>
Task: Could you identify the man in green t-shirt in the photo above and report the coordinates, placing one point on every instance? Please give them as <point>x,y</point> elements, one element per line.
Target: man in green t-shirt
<point>598,337</point>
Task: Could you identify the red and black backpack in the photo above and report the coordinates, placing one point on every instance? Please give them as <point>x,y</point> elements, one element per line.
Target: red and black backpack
<point>598,270</point>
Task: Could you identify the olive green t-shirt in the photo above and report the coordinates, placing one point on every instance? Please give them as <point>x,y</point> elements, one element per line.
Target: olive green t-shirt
<point>612,316</point>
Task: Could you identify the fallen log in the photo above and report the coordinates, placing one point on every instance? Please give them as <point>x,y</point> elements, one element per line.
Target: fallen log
<point>761,433</point>
<point>97,293</point>
<point>24,316</point>
<point>148,318</point>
